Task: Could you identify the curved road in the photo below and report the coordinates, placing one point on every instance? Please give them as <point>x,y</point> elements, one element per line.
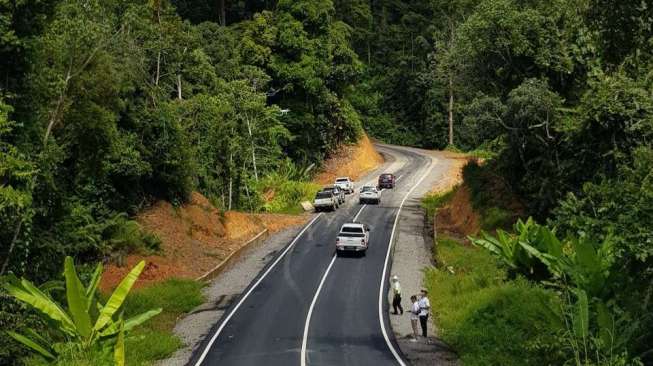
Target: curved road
<point>309,307</point>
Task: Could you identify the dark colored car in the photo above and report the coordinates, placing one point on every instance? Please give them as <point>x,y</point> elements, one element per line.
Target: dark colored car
<point>386,180</point>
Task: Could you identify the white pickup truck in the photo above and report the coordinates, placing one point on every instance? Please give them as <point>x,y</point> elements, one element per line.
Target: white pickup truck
<point>345,184</point>
<point>325,201</point>
<point>353,237</point>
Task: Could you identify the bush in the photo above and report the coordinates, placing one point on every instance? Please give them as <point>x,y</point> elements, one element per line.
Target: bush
<point>281,195</point>
<point>488,320</point>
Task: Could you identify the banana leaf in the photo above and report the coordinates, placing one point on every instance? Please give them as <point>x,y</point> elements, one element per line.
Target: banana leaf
<point>77,302</point>
<point>119,348</point>
<point>30,294</point>
<point>118,296</point>
<point>44,351</point>
<point>581,315</point>
<point>92,287</point>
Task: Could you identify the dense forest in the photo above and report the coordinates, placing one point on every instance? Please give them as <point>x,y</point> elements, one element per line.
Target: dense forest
<point>108,105</point>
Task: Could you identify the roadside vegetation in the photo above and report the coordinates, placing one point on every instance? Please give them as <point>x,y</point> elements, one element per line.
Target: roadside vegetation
<point>523,295</point>
<point>107,106</point>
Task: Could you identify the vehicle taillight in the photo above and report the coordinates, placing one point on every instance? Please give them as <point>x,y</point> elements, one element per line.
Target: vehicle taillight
<point>337,240</point>
<point>363,241</point>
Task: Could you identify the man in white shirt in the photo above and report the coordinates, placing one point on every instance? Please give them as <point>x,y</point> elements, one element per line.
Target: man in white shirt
<point>396,300</point>
<point>424,307</point>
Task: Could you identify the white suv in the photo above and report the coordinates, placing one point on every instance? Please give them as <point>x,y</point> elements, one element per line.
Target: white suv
<point>345,184</point>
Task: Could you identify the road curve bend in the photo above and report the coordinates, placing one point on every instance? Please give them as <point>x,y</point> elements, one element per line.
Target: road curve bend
<point>308,307</point>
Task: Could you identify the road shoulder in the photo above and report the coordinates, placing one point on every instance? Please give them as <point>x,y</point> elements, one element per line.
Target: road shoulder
<point>412,254</point>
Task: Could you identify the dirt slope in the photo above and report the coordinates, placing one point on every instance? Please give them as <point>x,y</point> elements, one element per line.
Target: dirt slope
<point>352,161</point>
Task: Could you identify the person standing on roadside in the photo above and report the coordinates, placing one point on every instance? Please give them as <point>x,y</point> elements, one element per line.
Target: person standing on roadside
<point>424,307</point>
<point>414,317</point>
<point>396,300</point>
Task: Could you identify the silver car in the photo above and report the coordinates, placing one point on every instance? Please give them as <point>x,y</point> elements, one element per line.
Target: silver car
<point>369,194</point>
<point>353,237</point>
<point>336,192</point>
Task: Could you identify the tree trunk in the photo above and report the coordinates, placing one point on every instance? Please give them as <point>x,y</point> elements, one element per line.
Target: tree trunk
<point>11,246</point>
<point>450,110</point>
<point>251,138</point>
<point>222,13</point>
<point>231,178</point>
<point>179,86</point>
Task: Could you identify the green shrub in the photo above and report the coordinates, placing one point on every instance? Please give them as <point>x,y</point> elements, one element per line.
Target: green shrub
<point>287,194</point>
<point>488,320</point>
<point>495,217</point>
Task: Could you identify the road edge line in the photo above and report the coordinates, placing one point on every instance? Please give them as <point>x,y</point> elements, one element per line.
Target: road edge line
<point>387,258</point>
<point>251,289</point>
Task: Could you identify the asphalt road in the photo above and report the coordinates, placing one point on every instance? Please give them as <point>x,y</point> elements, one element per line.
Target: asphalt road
<point>270,324</point>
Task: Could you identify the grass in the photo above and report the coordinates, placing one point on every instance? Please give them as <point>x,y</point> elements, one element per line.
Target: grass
<point>432,201</point>
<point>155,340</point>
<point>487,319</point>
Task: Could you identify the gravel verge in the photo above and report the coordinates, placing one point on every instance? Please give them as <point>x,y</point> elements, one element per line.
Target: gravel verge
<point>412,255</point>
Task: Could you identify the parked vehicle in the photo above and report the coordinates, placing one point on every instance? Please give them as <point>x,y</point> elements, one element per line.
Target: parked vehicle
<point>345,184</point>
<point>337,192</point>
<point>387,180</point>
<point>353,237</point>
<point>325,201</point>
<point>369,194</point>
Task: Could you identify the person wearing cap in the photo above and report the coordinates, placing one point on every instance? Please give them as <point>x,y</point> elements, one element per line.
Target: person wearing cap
<point>424,307</point>
<point>396,300</point>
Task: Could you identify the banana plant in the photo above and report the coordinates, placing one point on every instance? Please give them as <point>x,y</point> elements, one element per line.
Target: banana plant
<point>84,322</point>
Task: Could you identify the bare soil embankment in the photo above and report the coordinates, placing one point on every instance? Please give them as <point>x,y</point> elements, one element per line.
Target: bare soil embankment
<point>196,236</point>
<point>352,161</point>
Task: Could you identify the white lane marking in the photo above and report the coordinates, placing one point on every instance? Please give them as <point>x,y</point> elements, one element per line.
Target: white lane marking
<point>385,268</point>
<point>359,212</point>
<point>310,310</point>
<point>233,311</point>
<point>399,178</point>
<point>307,323</point>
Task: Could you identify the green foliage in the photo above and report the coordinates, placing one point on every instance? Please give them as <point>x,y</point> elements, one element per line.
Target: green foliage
<point>488,320</point>
<point>155,340</point>
<point>285,195</point>
<point>516,251</point>
<point>85,325</point>
<point>433,201</point>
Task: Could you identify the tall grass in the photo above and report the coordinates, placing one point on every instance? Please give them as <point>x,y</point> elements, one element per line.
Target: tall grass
<point>487,319</point>
<point>155,339</point>
<point>285,195</point>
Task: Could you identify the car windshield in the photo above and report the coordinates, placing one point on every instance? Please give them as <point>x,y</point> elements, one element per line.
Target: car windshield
<point>386,177</point>
<point>342,180</point>
<point>352,235</point>
<point>322,195</point>
<point>367,189</point>
<point>329,189</point>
